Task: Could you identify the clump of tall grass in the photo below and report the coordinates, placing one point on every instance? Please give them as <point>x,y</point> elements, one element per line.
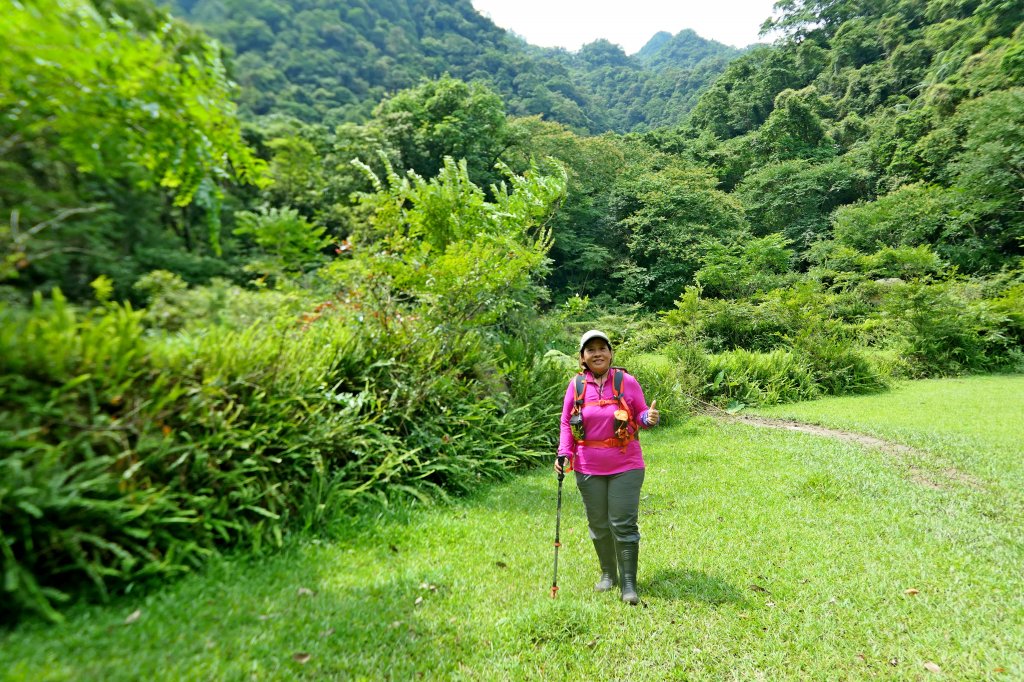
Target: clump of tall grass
<point>665,380</point>
<point>756,378</point>
<point>131,453</point>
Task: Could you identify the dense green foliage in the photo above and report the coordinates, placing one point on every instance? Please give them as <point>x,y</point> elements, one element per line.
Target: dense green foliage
<point>117,135</point>
<point>134,452</point>
<point>330,61</point>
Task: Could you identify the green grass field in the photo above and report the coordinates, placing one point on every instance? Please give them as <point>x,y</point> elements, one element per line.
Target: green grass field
<point>766,554</point>
<point>974,423</point>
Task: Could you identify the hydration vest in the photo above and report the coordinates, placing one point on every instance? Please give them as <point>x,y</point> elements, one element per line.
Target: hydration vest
<point>627,428</point>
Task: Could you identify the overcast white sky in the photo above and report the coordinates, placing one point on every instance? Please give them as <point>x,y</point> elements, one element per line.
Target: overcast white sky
<point>628,23</point>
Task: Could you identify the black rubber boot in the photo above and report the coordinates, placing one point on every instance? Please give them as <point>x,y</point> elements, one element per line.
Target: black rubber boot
<point>606,557</point>
<point>628,553</point>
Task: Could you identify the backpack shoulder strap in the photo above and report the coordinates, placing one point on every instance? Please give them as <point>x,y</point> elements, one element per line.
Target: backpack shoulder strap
<point>578,387</point>
<point>617,376</point>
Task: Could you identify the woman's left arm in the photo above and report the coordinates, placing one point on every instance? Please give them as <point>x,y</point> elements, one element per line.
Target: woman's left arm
<point>646,416</point>
<point>652,417</point>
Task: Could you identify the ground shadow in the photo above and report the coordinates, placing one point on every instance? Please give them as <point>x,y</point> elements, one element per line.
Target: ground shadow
<point>531,496</point>
<point>679,584</point>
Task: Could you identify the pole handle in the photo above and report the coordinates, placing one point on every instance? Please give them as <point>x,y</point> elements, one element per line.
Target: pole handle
<point>561,467</point>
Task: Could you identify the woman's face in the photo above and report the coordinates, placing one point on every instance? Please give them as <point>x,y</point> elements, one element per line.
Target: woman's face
<point>597,355</point>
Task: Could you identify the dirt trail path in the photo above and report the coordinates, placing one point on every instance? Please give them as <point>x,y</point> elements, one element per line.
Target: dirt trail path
<point>790,425</point>
<point>912,458</point>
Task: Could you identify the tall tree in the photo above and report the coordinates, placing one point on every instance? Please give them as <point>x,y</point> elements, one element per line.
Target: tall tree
<point>108,102</point>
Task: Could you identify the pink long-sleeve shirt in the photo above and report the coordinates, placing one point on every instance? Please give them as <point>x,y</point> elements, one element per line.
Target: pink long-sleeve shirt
<point>599,421</point>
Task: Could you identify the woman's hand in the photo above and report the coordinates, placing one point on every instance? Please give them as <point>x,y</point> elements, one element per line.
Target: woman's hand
<point>653,416</point>
<point>560,464</point>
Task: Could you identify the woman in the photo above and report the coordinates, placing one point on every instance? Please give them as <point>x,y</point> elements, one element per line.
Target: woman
<point>603,410</point>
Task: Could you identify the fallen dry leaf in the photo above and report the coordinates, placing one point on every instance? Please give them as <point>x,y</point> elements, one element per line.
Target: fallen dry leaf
<point>770,604</point>
<point>306,592</point>
<point>862,657</point>
<point>757,588</point>
<point>932,668</point>
<point>894,662</point>
<point>133,616</point>
<point>327,633</point>
<point>302,657</point>
<point>419,600</point>
<point>912,591</point>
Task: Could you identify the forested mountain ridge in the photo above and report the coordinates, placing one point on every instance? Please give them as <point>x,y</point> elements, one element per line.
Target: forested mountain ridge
<point>891,107</point>
<point>328,61</point>
<point>869,128</point>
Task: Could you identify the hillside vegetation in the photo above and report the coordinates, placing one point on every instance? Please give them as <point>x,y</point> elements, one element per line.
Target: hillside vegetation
<point>330,61</point>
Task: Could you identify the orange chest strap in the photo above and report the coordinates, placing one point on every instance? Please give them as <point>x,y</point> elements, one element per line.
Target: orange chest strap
<point>600,403</point>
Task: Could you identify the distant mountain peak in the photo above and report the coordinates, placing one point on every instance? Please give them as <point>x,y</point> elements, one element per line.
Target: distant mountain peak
<point>684,49</point>
<point>654,44</point>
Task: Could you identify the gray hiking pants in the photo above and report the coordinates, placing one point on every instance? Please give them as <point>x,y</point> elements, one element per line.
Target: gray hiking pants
<point>612,504</point>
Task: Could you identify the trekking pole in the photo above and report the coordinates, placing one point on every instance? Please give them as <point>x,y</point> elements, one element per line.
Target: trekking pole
<point>558,524</point>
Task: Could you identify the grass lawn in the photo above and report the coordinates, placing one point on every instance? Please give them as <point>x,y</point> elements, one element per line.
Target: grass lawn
<point>766,554</point>
<point>973,424</point>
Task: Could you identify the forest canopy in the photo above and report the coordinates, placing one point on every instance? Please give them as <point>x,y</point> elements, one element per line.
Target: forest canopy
<point>331,61</point>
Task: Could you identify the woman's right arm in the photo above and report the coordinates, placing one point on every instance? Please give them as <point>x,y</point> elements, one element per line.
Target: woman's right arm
<point>566,443</point>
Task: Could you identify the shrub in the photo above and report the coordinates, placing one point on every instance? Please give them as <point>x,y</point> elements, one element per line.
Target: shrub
<point>730,325</point>
<point>130,455</point>
<point>836,364</point>
<point>746,266</point>
<point>664,380</point>
<point>1010,305</point>
<point>948,328</point>
<point>758,378</point>
<point>172,305</point>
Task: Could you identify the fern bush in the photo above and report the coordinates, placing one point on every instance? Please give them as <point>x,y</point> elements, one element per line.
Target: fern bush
<point>752,378</point>
<point>137,443</point>
<point>665,380</point>
<point>130,455</point>
<point>836,364</point>
<point>949,328</point>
